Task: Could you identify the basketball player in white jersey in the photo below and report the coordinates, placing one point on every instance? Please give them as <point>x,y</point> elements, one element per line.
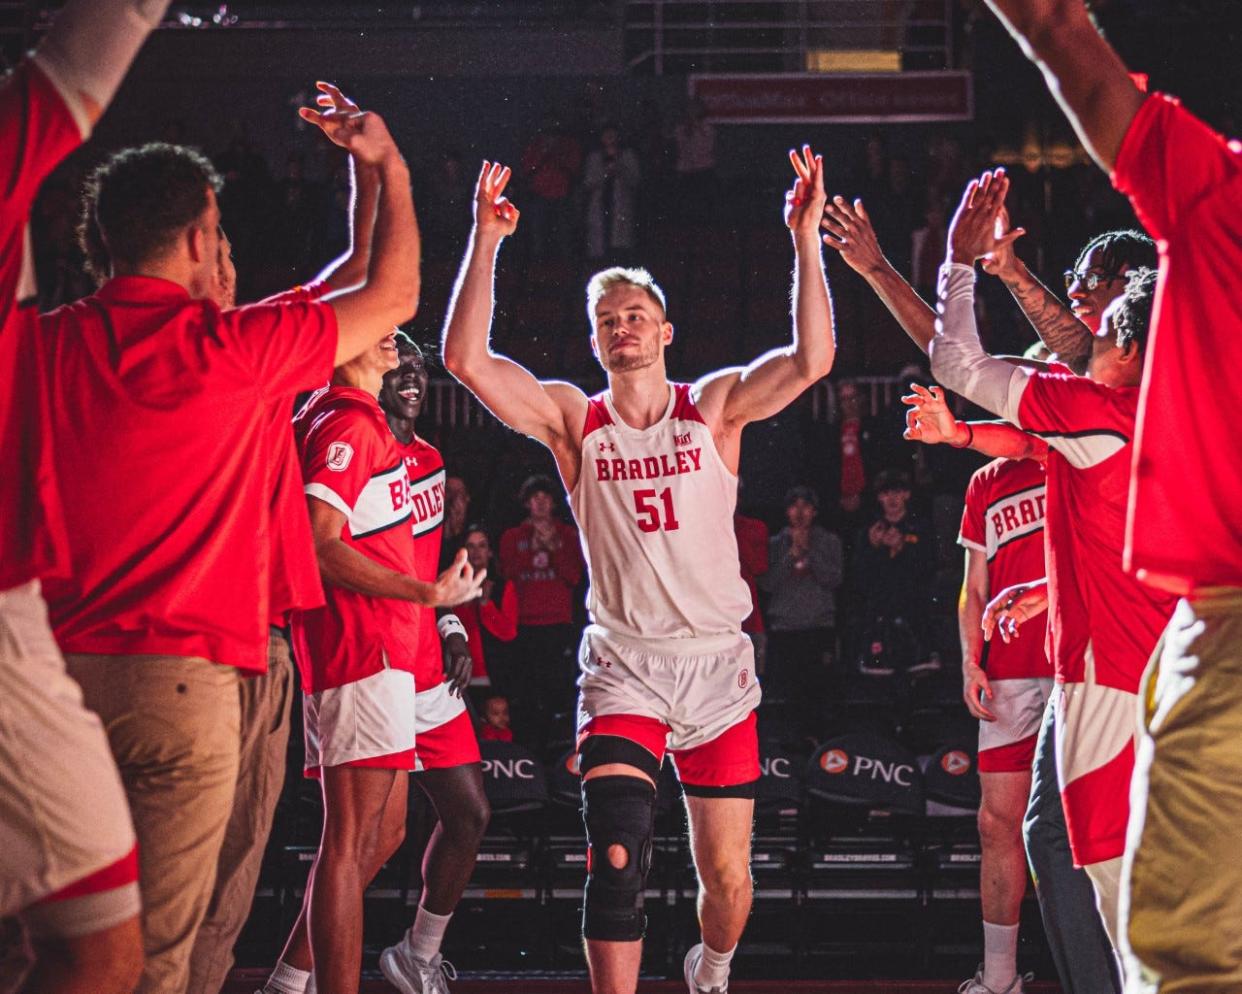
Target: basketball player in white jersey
<point>651,471</point>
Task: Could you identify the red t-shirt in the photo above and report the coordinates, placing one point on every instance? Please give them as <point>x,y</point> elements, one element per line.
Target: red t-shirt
<point>752,553</point>
<point>545,582</point>
<point>350,460</point>
<point>1094,605</point>
<point>1004,520</point>
<point>500,620</point>
<point>39,128</point>
<point>1185,182</point>
<point>160,405</point>
<point>295,570</point>
<point>425,467</point>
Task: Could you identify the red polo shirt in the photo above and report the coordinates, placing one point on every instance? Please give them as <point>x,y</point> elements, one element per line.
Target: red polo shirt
<point>545,581</point>
<point>161,408</point>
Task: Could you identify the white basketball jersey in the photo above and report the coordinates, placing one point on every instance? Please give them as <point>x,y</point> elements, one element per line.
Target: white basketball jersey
<point>655,512</point>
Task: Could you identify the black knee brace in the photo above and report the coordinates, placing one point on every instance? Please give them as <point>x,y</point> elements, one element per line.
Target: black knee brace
<point>618,811</point>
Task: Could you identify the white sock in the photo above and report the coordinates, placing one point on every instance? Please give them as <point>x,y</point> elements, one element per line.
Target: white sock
<point>286,979</point>
<point>1000,955</point>
<point>425,935</point>
<point>713,968</point>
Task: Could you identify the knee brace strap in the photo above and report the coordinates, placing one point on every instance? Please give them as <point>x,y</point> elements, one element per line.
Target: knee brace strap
<point>618,811</point>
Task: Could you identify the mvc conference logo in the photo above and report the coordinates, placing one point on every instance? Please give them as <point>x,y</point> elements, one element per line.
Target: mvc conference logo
<point>834,761</point>
<point>955,763</point>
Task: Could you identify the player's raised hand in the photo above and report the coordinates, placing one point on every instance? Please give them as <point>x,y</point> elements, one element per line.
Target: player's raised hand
<point>1002,260</point>
<point>976,688</point>
<point>1012,607</point>
<point>848,230</point>
<point>493,212</point>
<point>804,203</point>
<point>361,133</point>
<point>929,419</point>
<point>459,583</point>
<point>973,230</point>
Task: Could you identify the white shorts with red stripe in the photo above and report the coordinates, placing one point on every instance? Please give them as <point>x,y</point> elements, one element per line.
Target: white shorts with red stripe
<point>368,723</point>
<point>1007,745</point>
<point>68,861</point>
<point>446,735</point>
<point>1097,732</point>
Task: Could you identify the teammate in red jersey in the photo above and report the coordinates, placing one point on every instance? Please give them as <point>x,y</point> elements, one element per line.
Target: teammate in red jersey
<point>1104,624</point>
<point>447,764</point>
<point>651,469</point>
<point>68,864</point>
<point>1185,183</point>
<point>357,656</point>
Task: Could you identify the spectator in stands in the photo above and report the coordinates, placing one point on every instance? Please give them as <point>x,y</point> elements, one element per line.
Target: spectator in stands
<point>544,559</point>
<point>610,181</point>
<point>752,551</point>
<point>456,515</point>
<point>804,570</point>
<point>853,467</point>
<point>491,619</point>
<point>893,612</point>
<point>695,139</point>
<point>495,724</point>
<point>549,166</point>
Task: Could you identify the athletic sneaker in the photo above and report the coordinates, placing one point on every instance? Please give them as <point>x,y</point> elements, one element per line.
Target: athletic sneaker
<point>692,961</point>
<point>411,975</point>
<point>977,986</point>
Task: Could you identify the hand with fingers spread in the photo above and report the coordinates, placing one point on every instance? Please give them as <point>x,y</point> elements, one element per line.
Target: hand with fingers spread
<point>804,203</point>
<point>929,419</point>
<point>849,231</point>
<point>459,583</point>
<point>494,214</point>
<point>976,688</point>
<point>1002,261</point>
<point>1012,607</point>
<point>361,133</point>
<point>973,232</point>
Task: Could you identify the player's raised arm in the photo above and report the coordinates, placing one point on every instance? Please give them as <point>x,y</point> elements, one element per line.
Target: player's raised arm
<point>542,410</point>
<point>389,295</point>
<point>930,421</point>
<point>849,232</point>
<point>773,381</point>
<point>1086,76</point>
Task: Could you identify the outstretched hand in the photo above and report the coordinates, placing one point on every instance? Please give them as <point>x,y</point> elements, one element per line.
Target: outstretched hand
<point>929,419</point>
<point>1012,607</point>
<point>361,133</point>
<point>975,229</point>
<point>459,583</point>
<point>1002,260</point>
<point>493,212</point>
<point>850,232</point>
<point>804,203</point>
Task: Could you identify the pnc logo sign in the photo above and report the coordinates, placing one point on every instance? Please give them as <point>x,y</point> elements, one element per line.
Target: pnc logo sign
<point>775,766</point>
<point>955,763</point>
<point>509,769</point>
<point>834,761</point>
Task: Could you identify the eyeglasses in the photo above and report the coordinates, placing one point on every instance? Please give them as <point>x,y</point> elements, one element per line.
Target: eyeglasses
<point>1089,278</point>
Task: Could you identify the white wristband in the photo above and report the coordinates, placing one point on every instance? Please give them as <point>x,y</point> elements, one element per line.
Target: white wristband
<point>450,624</point>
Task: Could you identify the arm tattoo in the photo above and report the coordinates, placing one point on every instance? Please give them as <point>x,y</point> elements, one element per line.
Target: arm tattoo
<point>1055,324</point>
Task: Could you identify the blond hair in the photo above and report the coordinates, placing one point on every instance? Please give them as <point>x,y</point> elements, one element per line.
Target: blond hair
<point>608,279</point>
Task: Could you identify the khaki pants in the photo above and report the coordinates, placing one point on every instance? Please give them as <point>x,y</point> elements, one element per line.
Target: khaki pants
<point>1182,886</point>
<point>173,725</point>
<point>265,704</point>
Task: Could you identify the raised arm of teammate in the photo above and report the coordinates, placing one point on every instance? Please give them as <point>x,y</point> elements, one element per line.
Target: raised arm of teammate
<point>1086,76</point>
<point>389,295</point>
<point>550,411</point>
<point>731,398</point>
<point>345,567</point>
<point>849,232</point>
<point>1053,321</point>
<point>930,421</point>
<point>958,360</point>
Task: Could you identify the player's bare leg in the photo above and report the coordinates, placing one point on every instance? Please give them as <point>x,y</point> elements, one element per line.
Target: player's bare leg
<point>720,831</point>
<point>461,806</point>
<point>1002,872</point>
<point>614,965</point>
<point>105,962</point>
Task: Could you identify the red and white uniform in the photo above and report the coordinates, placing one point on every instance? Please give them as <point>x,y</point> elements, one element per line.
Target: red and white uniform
<point>1004,520</point>
<point>664,661</point>
<point>445,734</point>
<point>67,855</point>
<point>1185,182</point>
<point>1102,623</point>
<point>358,654</point>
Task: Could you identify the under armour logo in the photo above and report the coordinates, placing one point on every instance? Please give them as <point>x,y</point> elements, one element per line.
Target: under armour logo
<point>607,447</point>
<point>606,663</point>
